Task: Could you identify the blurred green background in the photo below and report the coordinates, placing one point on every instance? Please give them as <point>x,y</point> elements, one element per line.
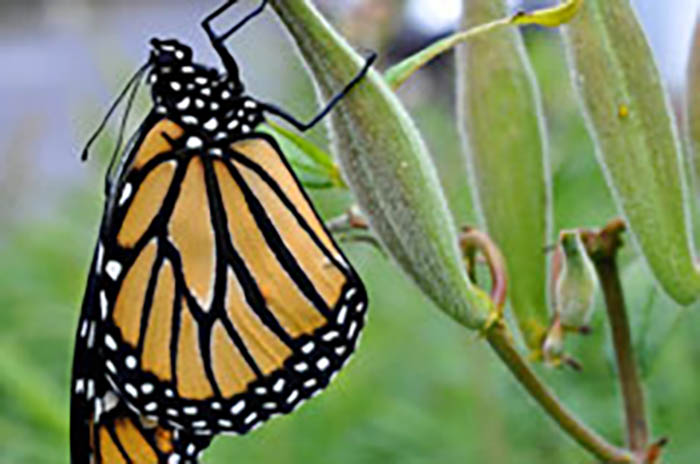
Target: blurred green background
<point>420,388</point>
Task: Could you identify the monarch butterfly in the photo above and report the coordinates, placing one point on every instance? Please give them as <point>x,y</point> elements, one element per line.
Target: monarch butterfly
<point>216,298</point>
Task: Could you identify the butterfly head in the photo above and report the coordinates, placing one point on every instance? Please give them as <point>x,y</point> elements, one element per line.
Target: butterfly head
<point>196,95</point>
<point>168,53</point>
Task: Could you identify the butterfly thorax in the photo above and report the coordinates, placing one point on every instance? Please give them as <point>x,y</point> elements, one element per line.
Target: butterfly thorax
<point>199,98</point>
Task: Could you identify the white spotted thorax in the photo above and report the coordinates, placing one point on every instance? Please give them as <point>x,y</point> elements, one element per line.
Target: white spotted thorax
<point>207,103</point>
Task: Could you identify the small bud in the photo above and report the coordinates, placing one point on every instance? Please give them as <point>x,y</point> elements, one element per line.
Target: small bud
<point>553,347</point>
<point>575,286</point>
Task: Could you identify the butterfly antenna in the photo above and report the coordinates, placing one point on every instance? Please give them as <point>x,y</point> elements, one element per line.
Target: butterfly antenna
<point>125,119</point>
<point>135,78</point>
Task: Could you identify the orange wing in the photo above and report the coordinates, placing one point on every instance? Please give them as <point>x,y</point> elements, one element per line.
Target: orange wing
<point>120,436</point>
<point>225,300</point>
<point>103,428</point>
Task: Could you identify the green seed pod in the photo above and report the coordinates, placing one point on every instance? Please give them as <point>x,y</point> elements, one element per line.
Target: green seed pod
<point>388,168</point>
<point>693,109</point>
<point>505,141</point>
<point>575,286</point>
<point>637,144</point>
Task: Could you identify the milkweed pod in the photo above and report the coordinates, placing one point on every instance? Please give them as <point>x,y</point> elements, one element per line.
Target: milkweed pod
<point>505,143</point>
<point>637,144</point>
<point>693,109</point>
<point>576,283</point>
<point>388,168</point>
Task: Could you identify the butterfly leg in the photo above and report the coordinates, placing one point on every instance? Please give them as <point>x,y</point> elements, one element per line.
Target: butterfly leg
<point>207,21</point>
<point>304,126</point>
<point>218,40</point>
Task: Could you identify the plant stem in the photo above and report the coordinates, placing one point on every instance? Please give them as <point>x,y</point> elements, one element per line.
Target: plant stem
<point>500,340</point>
<point>603,248</point>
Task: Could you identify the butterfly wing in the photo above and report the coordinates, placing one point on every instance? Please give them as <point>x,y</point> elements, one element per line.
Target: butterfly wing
<point>103,429</point>
<point>225,299</point>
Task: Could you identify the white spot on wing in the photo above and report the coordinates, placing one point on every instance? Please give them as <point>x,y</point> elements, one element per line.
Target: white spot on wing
<point>323,364</point>
<point>100,257</point>
<point>91,336</point>
<point>301,367</point>
<point>211,125</point>
<point>113,268</point>
<point>308,348</point>
<point>131,390</point>
<point>111,344</point>
<point>126,193</point>
<point>191,120</point>
<point>310,383</point>
<point>90,389</point>
<point>104,304</point>
<point>131,362</point>
<point>238,407</point>
<point>110,401</point>
<point>293,397</point>
<point>150,407</point>
<point>330,336</point>
<point>342,314</point>
<point>194,142</point>
<point>183,104</point>
<point>111,367</point>
<point>278,386</point>
<point>352,330</point>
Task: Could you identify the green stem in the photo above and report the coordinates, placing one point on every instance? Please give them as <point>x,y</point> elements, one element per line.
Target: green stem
<point>399,73</point>
<point>500,340</point>
<point>603,248</point>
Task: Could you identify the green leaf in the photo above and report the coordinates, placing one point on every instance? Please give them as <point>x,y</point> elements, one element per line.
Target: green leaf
<point>550,17</point>
<point>313,165</point>
<point>547,17</point>
<point>505,142</point>
<point>388,168</point>
<point>637,144</point>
